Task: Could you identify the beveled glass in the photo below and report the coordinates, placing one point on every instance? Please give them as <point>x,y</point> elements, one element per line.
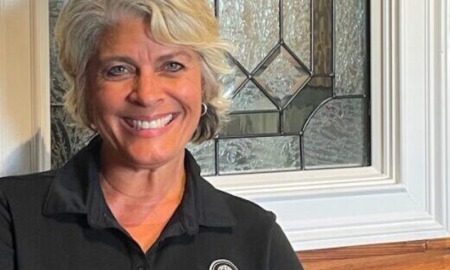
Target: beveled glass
<point>282,76</point>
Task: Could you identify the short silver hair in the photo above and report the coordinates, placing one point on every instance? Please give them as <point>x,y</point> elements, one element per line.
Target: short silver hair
<point>178,22</point>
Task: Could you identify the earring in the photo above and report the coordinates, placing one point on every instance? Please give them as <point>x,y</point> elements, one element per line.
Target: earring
<point>204,109</point>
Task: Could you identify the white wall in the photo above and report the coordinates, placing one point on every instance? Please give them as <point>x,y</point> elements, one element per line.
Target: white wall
<point>24,86</point>
<point>402,196</point>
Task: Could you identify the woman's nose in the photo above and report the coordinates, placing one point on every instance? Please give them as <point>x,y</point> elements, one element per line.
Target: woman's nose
<point>147,89</point>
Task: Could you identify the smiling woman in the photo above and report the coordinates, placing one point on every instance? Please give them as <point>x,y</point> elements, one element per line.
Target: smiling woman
<point>145,75</point>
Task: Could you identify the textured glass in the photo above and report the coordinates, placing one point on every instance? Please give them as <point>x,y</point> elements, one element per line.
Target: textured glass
<point>58,83</point>
<point>66,137</point>
<point>351,51</point>
<point>259,154</point>
<point>336,135</point>
<point>211,4</point>
<point>205,155</point>
<point>251,26</point>
<point>233,81</point>
<point>250,98</point>
<point>323,36</point>
<point>309,98</point>
<point>297,28</point>
<point>282,76</point>
<point>251,124</point>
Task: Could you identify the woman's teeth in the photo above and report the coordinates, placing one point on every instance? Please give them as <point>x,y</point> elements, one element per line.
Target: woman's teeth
<point>154,124</point>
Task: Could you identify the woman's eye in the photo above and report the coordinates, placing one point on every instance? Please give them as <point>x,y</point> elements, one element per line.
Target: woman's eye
<point>117,71</point>
<point>174,66</point>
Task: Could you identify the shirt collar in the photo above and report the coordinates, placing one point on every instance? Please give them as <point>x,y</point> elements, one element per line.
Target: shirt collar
<point>76,190</point>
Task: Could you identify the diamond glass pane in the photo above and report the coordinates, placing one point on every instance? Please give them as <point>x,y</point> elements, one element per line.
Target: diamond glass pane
<point>251,26</point>
<point>66,137</point>
<point>299,110</point>
<point>251,124</point>
<point>297,28</point>
<point>336,135</point>
<point>259,154</point>
<point>250,98</point>
<point>323,36</point>
<point>205,155</point>
<point>282,76</point>
<point>351,47</point>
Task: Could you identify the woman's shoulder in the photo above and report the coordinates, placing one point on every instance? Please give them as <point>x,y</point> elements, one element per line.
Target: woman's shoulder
<point>16,185</point>
<point>244,209</point>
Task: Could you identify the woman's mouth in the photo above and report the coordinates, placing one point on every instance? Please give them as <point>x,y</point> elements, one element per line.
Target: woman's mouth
<point>150,124</point>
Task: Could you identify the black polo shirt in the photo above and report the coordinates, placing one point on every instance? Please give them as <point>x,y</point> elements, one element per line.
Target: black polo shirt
<point>59,220</point>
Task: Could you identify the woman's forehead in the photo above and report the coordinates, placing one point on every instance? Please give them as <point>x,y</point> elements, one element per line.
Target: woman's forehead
<point>132,36</point>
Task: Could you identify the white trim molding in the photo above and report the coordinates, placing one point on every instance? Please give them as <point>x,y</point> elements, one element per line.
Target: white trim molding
<point>40,62</point>
<point>404,195</point>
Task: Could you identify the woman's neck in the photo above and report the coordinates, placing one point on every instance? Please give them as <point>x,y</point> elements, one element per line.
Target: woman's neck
<point>145,185</point>
<point>143,200</point>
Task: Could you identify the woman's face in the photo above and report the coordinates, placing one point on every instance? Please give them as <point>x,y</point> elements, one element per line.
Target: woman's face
<point>146,97</point>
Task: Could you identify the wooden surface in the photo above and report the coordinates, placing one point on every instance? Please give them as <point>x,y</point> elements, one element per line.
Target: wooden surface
<point>416,255</point>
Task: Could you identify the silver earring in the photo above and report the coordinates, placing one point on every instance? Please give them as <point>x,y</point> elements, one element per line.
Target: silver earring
<point>204,109</point>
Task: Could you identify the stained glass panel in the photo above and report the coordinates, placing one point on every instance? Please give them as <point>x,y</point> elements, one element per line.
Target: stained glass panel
<point>252,123</point>
<point>66,137</point>
<point>299,110</point>
<point>297,28</point>
<point>250,154</point>
<point>251,26</point>
<point>58,84</point>
<point>250,98</point>
<point>336,135</point>
<point>351,58</point>
<point>205,155</point>
<point>282,76</point>
<point>323,36</point>
<point>233,81</point>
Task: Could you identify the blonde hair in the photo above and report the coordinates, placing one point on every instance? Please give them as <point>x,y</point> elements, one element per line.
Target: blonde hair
<point>179,22</point>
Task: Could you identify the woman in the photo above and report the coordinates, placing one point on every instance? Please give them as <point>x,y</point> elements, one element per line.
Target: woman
<point>144,74</point>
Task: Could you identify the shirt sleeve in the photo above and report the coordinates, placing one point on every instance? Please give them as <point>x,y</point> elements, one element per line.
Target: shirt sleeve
<point>282,255</point>
<point>6,240</point>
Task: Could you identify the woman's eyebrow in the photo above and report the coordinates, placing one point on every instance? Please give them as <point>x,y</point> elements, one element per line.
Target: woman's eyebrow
<point>175,54</point>
<point>116,58</point>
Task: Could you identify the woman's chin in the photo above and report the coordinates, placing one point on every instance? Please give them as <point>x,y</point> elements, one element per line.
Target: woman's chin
<point>151,160</point>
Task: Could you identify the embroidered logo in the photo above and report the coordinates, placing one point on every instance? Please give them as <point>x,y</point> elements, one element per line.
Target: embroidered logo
<point>222,264</point>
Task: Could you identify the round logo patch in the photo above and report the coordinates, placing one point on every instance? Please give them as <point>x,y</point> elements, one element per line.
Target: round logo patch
<point>222,264</point>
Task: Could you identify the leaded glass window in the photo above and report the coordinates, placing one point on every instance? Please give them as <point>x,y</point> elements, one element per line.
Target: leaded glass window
<point>299,93</point>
